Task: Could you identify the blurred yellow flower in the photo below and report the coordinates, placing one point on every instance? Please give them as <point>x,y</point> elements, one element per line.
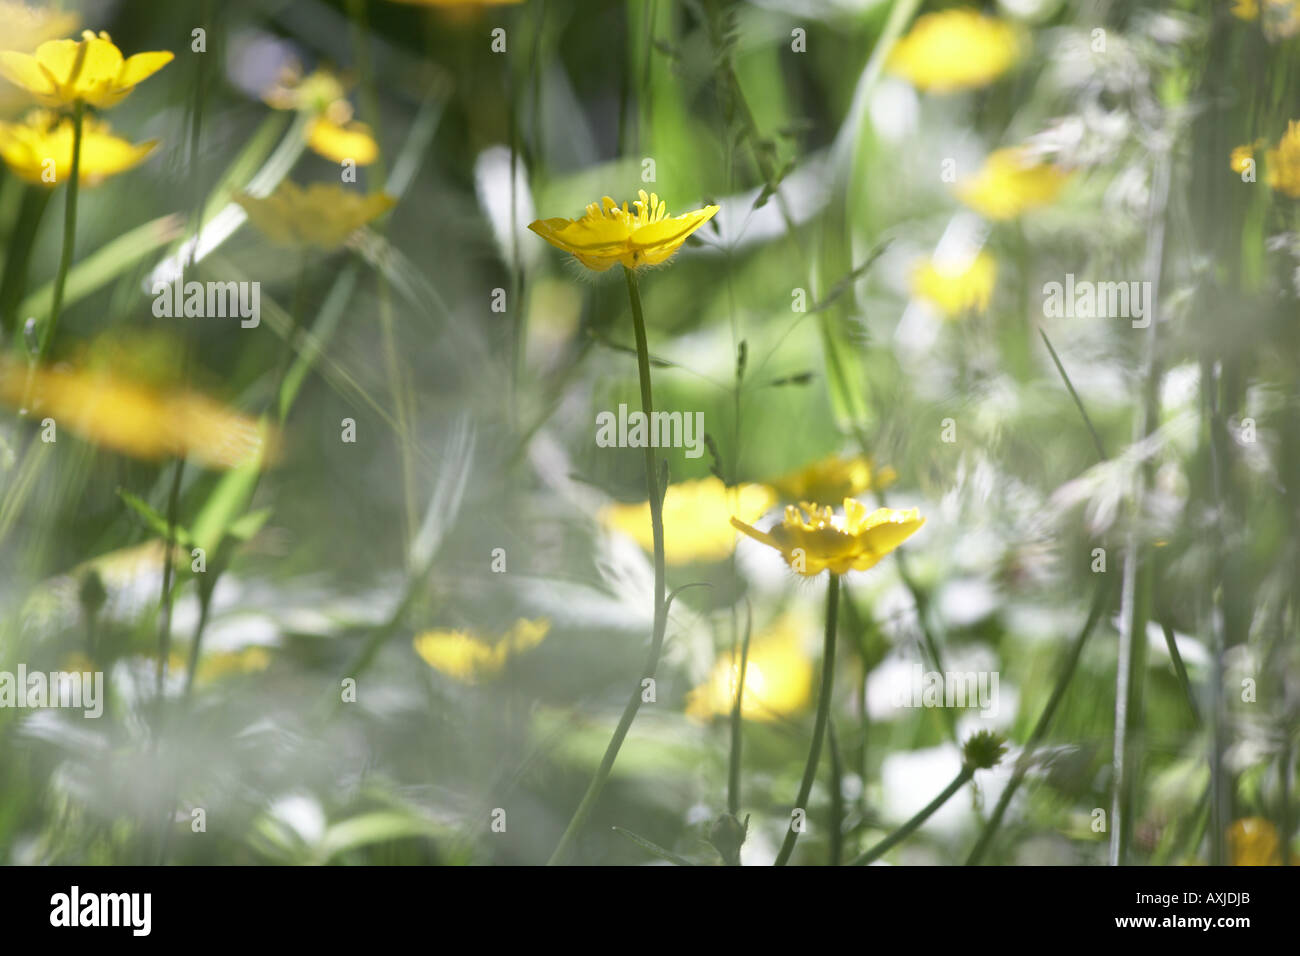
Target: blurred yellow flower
<point>1253,841</point>
<point>812,540</point>
<point>90,70</point>
<point>24,28</point>
<point>330,132</point>
<point>1011,182</point>
<point>143,421</point>
<point>1241,156</point>
<point>696,513</point>
<point>468,658</point>
<point>316,92</point>
<point>606,234</point>
<point>833,478</point>
<point>219,664</point>
<point>39,150</point>
<point>1283,163</point>
<point>341,141</point>
<point>956,291</point>
<point>1281,18</point>
<point>323,214</point>
<point>955,50</point>
<point>778,677</point>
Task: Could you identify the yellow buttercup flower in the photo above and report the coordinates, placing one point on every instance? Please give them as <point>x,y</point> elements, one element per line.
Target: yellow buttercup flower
<point>141,420</point>
<point>468,658</point>
<point>812,540</point>
<point>833,478</point>
<point>1011,182</point>
<point>1281,18</point>
<point>331,132</point>
<point>778,678</point>
<point>1283,163</point>
<point>607,234</point>
<point>90,70</point>
<point>39,150</point>
<point>219,664</point>
<point>323,214</point>
<point>1253,841</point>
<point>967,287</point>
<point>24,28</point>
<point>1241,157</point>
<point>955,50</point>
<point>316,92</point>
<point>696,513</point>
<point>342,141</point>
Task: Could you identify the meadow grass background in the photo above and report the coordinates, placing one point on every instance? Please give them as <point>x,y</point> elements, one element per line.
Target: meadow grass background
<point>475,432</point>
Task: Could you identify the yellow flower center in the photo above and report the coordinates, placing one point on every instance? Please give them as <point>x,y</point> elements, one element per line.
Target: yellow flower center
<point>647,209</point>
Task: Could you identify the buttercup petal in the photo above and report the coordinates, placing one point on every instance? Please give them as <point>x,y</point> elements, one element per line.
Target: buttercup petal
<point>141,66</point>
<point>24,71</point>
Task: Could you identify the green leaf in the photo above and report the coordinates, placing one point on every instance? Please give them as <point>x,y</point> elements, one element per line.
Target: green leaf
<point>327,320</point>
<point>654,848</point>
<point>249,524</point>
<point>156,521</point>
<point>368,828</point>
<point>229,498</point>
<point>106,264</point>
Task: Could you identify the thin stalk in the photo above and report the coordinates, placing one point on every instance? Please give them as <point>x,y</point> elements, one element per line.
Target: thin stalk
<point>903,832</point>
<point>1181,670</point>
<point>369,92</point>
<point>1078,402</point>
<point>823,715</point>
<point>13,280</point>
<point>836,828</point>
<point>396,372</point>
<point>1100,601</point>
<point>205,606</point>
<point>858,627</point>
<point>565,847</point>
<point>169,573</point>
<point>1139,578</point>
<point>297,314</point>
<point>519,334</point>
<point>734,761</point>
<point>929,644</point>
<point>69,232</point>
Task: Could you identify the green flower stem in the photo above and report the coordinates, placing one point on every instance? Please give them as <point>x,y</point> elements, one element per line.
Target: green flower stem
<point>903,832</point>
<point>376,178</point>
<point>13,278</point>
<point>565,847</point>
<point>823,715</point>
<point>69,232</point>
<point>837,797</point>
<point>169,576</point>
<point>737,724</point>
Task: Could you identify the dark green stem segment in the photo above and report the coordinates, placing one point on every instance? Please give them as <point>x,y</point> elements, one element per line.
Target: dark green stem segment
<point>69,232</point>
<point>169,575</point>
<point>823,715</point>
<point>903,832</point>
<point>737,724</point>
<point>565,847</point>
